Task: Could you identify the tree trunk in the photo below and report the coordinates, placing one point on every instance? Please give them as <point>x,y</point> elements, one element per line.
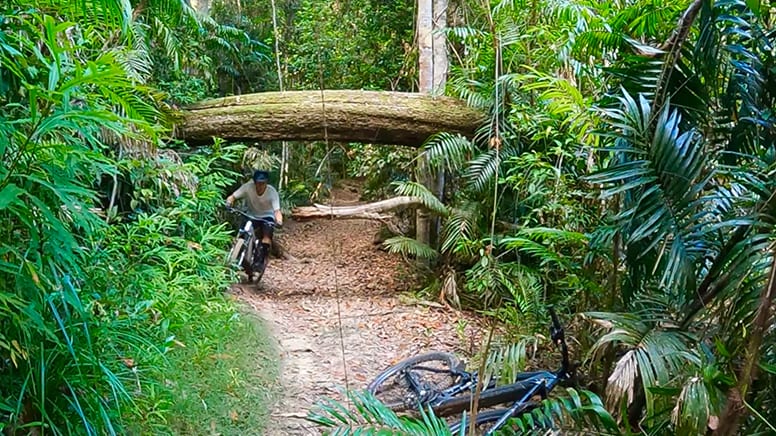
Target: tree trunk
<point>362,211</point>
<point>439,47</point>
<point>424,28</point>
<point>440,67</point>
<point>734,409</point>
<point>377,117</point>
<point>432,78</point>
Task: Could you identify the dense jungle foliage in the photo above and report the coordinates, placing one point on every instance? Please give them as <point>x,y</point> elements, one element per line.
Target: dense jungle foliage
<point>625,174</point>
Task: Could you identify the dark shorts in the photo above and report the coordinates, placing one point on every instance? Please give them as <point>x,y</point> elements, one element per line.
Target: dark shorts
<point>264,229</point>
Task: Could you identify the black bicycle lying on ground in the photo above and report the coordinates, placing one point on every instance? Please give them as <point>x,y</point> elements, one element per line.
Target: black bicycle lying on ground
<point>439,381</point>
<point>246,252</point>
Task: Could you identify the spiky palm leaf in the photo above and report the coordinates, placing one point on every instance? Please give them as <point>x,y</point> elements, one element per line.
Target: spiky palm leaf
<point>505,362</point>
<point>663,177</point>
<point>414,189</point>
<point>542,243</point>
<point>701,399</point>
<point>481,170</point>
<point>582,410</point>
<point>409,247</point>
<point>447,152</point>
<point>653,355</point>
<point>371,417</point>
<point>460,229</point>
<point>508,286</point>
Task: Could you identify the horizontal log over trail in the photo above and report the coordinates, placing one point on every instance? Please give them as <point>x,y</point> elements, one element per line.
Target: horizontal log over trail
<point>361,211</point>
<point>378,117</point>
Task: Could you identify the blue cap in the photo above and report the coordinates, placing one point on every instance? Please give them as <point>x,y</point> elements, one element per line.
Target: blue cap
<point>260,176</point>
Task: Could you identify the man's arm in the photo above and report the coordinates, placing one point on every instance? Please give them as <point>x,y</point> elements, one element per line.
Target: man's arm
<point>278,217</point>
<point>276,207</point>
<point>238,194</point>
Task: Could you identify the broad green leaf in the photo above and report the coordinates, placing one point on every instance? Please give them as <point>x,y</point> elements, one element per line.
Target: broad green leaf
<point>9,195</point>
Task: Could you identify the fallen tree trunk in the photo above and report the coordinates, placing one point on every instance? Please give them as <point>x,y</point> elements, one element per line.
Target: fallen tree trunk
<point>362,211</point>
<point>378,117</point>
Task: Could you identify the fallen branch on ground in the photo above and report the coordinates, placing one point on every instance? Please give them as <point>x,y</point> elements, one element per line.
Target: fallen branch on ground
<point>374,210</point>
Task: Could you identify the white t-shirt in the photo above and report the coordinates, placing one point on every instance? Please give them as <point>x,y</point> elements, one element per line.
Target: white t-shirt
<point>261,206</point>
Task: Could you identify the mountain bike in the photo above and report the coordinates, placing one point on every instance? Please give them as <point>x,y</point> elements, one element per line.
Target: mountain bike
<point>438,380</point>
<point>246,252</point>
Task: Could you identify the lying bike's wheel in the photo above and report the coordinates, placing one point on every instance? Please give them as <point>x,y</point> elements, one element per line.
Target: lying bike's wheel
<point>434,371</point>
<point>485,421</point>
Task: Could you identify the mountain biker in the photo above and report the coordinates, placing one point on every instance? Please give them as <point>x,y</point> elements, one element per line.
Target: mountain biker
<point>262,201</point>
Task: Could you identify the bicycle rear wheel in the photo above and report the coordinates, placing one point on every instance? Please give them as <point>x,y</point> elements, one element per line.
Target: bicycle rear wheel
<point>434,371</point>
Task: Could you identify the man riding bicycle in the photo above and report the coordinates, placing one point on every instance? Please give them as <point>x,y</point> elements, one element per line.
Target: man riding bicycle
<point>262,201</point>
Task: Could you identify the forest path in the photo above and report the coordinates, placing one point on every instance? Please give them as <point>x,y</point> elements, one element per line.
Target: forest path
<point>380,324</point>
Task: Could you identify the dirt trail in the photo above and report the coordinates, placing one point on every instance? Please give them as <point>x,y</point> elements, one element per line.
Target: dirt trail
<point>379,324</point>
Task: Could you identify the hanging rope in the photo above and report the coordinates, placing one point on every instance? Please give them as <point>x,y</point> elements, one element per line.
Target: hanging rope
<point>494,142</point>
<point>336,246</point>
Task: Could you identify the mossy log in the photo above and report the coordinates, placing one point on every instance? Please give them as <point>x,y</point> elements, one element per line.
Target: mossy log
<point>378,117</point>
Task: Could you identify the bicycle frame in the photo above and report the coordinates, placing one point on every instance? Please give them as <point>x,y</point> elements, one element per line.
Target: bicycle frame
<point>458,397</point>
<point>248,235</point>
<point>530,383</point>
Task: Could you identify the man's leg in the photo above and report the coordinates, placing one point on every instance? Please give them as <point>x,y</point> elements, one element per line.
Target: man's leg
<point>266,237</point>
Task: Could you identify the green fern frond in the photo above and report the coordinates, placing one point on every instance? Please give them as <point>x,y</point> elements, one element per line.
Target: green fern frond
<point>409,247</point>
<point>427,198</point>
<point>653,355</point>
<point>578,409</point>
<point>460,226</point>
<point>663,174</point>
<point>370,417</point>
<point>481,170</point>
<point>447,151</point>
<point>505,362</point>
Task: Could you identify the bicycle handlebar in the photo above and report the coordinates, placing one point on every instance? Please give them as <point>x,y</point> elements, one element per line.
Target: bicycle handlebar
<point>554,316</point>
<point>251,217</point>
<point>559,337</point>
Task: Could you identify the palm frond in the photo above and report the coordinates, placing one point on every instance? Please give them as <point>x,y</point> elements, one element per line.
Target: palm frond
<point>460,226</point>
<point>409,247</point>
<point>698,401</point>
<point>427,198</point>
<point>370,417</point>
<point>653,357</point>
<point>663,176</point>
<point>577,409</point>
<point>505,362</point>
<point>482,169</point>
<point>448,152</point>
<point>540,242</point>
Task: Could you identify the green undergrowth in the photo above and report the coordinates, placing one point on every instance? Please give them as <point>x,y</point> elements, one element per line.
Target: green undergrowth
<point>225,387</point>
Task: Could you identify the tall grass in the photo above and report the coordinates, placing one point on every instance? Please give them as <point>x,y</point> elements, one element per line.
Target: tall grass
<point>99,320</point>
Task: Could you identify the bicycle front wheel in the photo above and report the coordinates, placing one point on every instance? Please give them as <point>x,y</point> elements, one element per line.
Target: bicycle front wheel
<point>237,253</point>
<point>434,372</point>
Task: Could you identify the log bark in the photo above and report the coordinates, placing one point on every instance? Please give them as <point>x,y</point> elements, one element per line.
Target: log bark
<point>362,211</point>
<point>377,117</point>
